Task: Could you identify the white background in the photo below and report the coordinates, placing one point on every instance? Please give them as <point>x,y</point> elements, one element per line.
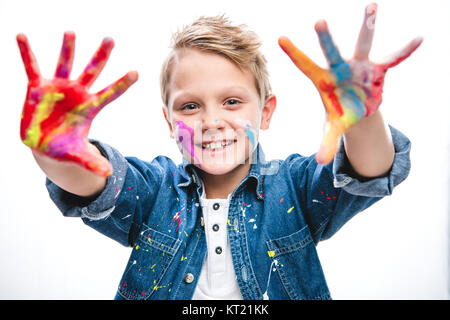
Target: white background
<point>397,249</point>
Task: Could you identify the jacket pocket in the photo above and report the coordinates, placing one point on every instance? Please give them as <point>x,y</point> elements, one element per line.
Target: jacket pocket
<point>149,260</point>
<point>298,266</point>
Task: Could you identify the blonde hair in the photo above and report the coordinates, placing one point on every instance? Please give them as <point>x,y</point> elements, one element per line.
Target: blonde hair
<point>218,35</point>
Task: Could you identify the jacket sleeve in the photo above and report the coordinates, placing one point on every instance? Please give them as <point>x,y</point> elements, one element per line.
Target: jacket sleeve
<point>331,195</point>
<point>124,204</point>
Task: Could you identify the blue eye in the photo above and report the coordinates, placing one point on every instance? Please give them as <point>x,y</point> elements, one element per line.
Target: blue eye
<point>232,101</point>
<point>189,106</point>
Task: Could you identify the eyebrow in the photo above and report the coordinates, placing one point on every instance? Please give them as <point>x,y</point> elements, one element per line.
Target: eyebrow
<point>183,96</point>
<point>239,88</point>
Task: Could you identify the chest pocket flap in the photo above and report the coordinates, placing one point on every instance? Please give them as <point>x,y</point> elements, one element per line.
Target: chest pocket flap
<point>151,256</point>
<point>298,266</point>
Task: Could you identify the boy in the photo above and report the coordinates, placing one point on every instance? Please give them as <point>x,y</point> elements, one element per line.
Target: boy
<point>224,224</point>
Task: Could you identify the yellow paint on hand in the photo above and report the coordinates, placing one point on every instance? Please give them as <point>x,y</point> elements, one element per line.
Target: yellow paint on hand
<point>43,110</point>
<point>290,209</point>
<point>271,253</point>
<point>105,95</point>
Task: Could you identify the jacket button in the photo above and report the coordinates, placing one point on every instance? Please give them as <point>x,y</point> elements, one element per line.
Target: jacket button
<point>218,250</point>
<point>215,227</point>
<point>188,278</point>
<point>216,206</point>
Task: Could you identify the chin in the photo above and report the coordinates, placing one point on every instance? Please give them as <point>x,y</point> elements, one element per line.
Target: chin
<point>218,169</point>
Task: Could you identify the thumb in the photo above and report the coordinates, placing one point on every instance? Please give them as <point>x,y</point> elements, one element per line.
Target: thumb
<point>82,153</point>
<point>93,160</point>
<point>333,130</point>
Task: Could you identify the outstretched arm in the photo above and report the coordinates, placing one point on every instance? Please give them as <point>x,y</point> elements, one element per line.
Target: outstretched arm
<point>352,93</point>
<point>58,113</point>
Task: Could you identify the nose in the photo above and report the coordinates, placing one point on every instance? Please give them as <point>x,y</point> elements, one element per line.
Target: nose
<point>212,119</point>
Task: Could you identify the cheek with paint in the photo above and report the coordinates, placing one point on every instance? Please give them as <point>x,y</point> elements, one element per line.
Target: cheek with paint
<point>184,136</point>
<point>249,130</point>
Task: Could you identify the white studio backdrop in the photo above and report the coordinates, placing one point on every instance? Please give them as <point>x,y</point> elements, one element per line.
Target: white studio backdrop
<point>397,249</point>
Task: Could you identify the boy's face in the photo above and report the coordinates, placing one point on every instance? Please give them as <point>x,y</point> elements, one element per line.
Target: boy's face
<point>214,111</point>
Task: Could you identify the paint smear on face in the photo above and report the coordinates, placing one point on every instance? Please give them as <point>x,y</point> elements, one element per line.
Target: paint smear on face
<point>249,131</point>
<point>185,136</point>
<point>251,137</point>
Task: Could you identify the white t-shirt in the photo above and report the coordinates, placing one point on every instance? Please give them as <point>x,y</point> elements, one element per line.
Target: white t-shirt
<point>217,278</point>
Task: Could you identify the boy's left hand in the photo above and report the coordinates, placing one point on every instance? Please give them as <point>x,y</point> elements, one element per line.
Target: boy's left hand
<point>350,90</point>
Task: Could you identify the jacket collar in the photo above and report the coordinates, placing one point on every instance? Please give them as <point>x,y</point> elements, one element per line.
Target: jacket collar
<point>189,172</point>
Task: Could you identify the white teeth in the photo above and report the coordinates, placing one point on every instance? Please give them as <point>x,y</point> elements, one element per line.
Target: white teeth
<point>217,145</point>
<point>226,143</point>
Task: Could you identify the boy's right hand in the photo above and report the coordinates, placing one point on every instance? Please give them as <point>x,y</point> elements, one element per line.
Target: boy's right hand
<point>57,113</point>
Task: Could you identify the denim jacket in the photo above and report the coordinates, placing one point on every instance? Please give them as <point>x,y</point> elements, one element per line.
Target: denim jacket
<point>277,215</point>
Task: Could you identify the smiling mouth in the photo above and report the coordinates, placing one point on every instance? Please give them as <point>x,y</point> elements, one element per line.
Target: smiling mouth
<point>216,145</point>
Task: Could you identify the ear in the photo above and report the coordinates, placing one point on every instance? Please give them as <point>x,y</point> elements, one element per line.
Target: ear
<point>267,111</point>
<point>164,110</point>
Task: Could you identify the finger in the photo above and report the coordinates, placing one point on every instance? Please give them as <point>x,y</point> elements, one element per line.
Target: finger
<point>326,42</point>
<point>333,131</point>
<point>305,64</point>
<point>65,60</point>
<point>402,54</point>
<point>364,43</point>
<point>112,92</point>
<point>29,61</point>
<point>98,61</point>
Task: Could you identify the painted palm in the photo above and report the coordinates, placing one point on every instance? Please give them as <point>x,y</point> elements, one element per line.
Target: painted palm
<point>57,113</point>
